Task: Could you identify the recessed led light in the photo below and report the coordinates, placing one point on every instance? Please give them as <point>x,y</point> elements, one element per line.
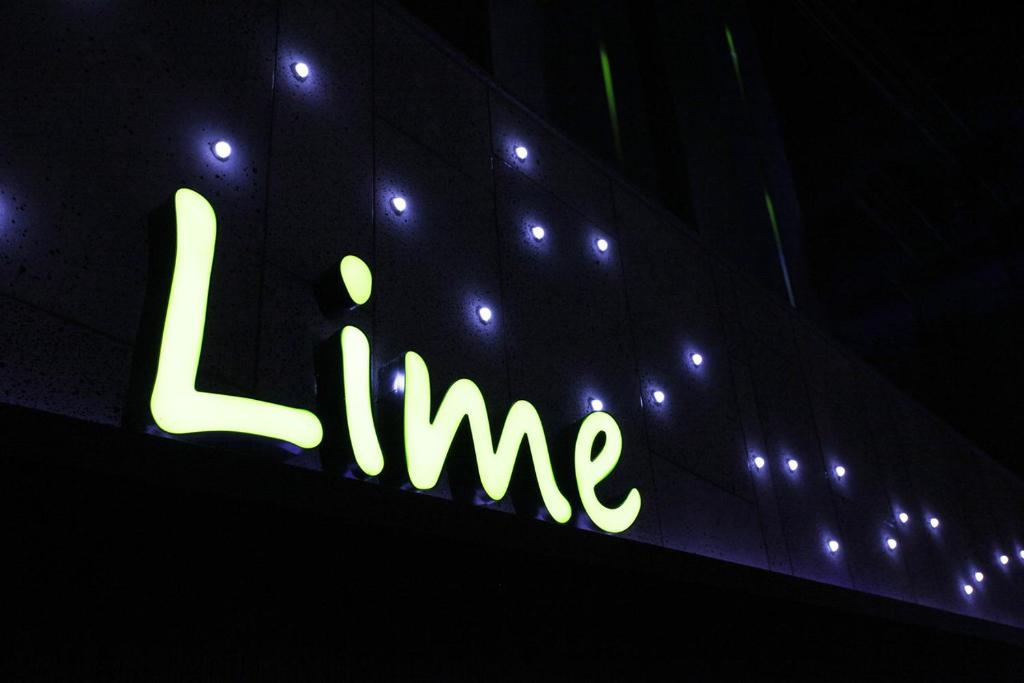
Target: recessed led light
<point>222,150</point>
<point>399,205</point>
<point>891,543</point>
<point>538,232</point>
<point>934,522</point>
<point>979,577</point>
<point>521,153</point>
<point>968,588</point>
<point>840,471</point>
<point>758,462</point>
<point>659,396</point>
<point>833,546</point>
<point>1004,560</point>
<point>904,517</point>
<point>792,464</point>
<point>300,70</point>
<point>696,359</point>
<point>601,244</point>
<point>596,405</point>
<point>1021,553</point>
<point>485,314</point>
<point>398,383</point>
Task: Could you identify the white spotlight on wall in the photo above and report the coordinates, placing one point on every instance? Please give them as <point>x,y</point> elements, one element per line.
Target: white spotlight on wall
<point>903,517</point>
<point>538,232</point>
<point>398,383</point>
<point>300,70</point>
<point>696,359</point>
<point>222,150</point>
<point>833,546</point>
<point>758,462</point>
<point>399,204</point>
<point>979,577</point>
<point>659,396</point>
<point>968,589</point>
<point>596,405</point>
<point>521,153</point>
<point>485,314</point>
<point>934,522</point>
<point>891,543</point>
<point>840,471</point>
<point>1004,560</point>
<point>601,244</point>
<point>792,464</point>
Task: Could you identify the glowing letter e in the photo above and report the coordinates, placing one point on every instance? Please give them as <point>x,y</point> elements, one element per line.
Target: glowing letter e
<point>175,404</point>
<point>589,473</point>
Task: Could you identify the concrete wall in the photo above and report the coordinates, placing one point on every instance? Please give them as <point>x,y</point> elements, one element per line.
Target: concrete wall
<point>108,107</point>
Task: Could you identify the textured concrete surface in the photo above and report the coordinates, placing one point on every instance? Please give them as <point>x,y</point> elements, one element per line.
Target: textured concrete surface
<point>106,112</point>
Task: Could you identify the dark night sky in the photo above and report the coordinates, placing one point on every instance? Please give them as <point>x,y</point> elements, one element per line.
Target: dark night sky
<point>904,126</point>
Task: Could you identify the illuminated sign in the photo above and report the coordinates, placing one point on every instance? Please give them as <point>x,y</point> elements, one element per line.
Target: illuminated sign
<point>175,404</point>
<point>178,408</point>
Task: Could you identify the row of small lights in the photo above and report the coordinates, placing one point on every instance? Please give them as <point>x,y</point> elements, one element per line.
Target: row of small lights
<point>300,71</point>
<point>537,231</point>
<point>792,464</point>
<point>400,204</point>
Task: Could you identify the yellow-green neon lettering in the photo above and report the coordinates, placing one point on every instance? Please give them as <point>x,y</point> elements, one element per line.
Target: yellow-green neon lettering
<point>591,472</point>
<point>357,278</point>
<point>355,354</point>
<point>175,404</point>
<point>427,442</point>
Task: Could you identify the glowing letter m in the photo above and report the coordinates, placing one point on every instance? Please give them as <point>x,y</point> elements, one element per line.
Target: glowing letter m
<point>427,441</point>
